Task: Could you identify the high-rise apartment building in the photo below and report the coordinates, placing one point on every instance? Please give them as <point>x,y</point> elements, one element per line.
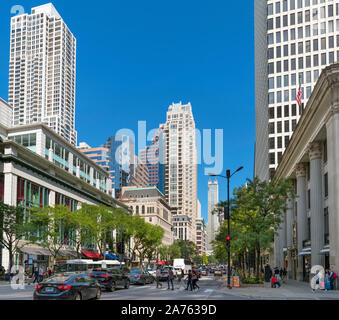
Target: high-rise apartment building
<point>294,41</point>
<point>42,71</point>
<point>180,157</point>
<point>213,216</point>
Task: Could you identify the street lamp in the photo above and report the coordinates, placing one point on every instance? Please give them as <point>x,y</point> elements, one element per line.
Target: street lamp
<point>227,216</point>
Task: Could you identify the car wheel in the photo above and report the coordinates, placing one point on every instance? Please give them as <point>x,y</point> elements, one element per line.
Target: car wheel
<point>78,296</point>
<point>98,295</point>
<point>143,282</point>
<point>112,287</point>
<point>127,284</point>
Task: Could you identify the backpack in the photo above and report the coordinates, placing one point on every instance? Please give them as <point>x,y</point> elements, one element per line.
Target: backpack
<point>334,276</point>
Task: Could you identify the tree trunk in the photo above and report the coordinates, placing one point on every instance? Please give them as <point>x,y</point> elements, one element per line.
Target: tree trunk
<point>257,262</point>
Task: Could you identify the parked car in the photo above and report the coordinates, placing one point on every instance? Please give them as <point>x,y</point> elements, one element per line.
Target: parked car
<point>140,277</point>
<point>67,287</point>
<point>204,272</point>
<point>217,272</point>
<point>151,271</point>
<point>164,274</point>
<point>110,279</point>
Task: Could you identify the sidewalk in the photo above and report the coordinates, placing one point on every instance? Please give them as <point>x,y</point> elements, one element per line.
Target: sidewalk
<point>291,290</point>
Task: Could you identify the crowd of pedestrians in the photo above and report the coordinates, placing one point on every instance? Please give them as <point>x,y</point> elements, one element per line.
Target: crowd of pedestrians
<point>190,281</point>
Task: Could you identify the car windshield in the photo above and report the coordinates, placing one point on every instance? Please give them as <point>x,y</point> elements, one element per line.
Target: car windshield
<point>59,278</point>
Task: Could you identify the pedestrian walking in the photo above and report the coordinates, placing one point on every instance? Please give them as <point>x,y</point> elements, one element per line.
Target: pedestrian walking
<point>189,280</point>
<point>170,278</point>
<point>41,274</point>
<point>157,277</point>
<point>49,272</point>
<point>332,276</point>
<point>195,279</point>
<point>36,275</point>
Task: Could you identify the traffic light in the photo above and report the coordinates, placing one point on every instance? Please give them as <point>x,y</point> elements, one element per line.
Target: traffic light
<point>228,238</point>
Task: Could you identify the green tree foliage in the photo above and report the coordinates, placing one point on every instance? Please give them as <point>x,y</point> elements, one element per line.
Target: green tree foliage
<point>255,218</point>
<point>12,228</point>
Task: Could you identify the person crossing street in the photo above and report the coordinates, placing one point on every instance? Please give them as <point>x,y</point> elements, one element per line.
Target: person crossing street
<point>170,278</point>
<point>157,277</point>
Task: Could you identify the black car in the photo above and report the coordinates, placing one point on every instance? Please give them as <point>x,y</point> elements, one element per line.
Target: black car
<point>67,287</point>
<point>110,279</point>
<point>140,277</point>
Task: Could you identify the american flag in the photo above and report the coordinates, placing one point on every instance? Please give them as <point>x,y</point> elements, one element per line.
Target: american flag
<point>299,95</point>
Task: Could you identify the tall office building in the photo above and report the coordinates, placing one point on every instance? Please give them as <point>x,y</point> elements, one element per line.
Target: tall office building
<point>151,156</point>
<point>294,41</point>
<point>180,155</point>
<point>121,152</point>
<point>6,114</point>
<point>42,71</point>
<point>213,218</point>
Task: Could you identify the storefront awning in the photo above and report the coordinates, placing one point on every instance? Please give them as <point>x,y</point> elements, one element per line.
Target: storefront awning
<point>111,256</point>
<point>91,255</point>
<point>305,252</point>
<point>36,251</point>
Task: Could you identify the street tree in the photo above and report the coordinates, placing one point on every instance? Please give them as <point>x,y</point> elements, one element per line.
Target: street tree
<point>12,228</point>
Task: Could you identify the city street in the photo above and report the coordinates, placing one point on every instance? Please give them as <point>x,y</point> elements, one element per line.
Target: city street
<point>209,290</point>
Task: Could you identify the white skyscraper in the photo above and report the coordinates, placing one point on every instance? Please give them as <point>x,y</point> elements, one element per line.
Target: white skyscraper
<point>42,71</point>
<point>180,155</point>
<point>294,41</point>
<point>213,218</point>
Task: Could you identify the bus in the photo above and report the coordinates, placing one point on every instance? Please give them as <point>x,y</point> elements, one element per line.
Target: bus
<point>85,265</point>
<point>182,264</point>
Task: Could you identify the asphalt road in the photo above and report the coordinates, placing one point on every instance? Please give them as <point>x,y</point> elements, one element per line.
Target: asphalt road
<point>209,290</point>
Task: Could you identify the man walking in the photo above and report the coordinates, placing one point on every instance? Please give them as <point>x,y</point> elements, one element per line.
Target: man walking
<point>189,280</point>
<point>157,277</point>
<point>170,278</point>
<point>36,275</point>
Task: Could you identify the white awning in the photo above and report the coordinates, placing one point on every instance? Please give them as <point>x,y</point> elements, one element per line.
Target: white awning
<point>305,252</point>
<point>35,250</point>
<point>324,251</point>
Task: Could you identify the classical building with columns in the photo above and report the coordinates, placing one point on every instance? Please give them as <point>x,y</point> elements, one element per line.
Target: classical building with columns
<point>39,168</point>
<point>309,234</point>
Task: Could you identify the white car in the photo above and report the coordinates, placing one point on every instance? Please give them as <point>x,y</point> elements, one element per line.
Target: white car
<point>151,272</point>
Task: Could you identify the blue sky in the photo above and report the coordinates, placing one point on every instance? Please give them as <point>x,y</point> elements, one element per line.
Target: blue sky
<point>134,58</point>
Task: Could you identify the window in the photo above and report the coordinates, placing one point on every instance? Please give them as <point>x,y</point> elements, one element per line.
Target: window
<point>286,111</point>
<point>326,185</point>
<point>271,143</point>
<point>300,47</point>
<point>270,24</point>
<point>287,126</point>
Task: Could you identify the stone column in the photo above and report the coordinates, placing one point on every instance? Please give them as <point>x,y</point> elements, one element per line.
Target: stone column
<point>289,236</point>
<point>317,210</point>
<point>301,215</point>
<point>332,129</point>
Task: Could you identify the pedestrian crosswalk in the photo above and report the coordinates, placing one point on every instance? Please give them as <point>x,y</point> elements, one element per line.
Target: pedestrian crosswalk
<point>164,288</point>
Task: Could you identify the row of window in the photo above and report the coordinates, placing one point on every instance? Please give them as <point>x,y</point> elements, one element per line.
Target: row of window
<point>276,127</point>
<point>291,80</point>
<point>285,5</point>
<point>291,50</point>
<point>291,65</point>
<point>300,17</point>
<point>290,35</point>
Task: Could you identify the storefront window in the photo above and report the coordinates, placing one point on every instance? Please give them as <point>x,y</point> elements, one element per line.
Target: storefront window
<point>31,195</point>
<point>67,235</point>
